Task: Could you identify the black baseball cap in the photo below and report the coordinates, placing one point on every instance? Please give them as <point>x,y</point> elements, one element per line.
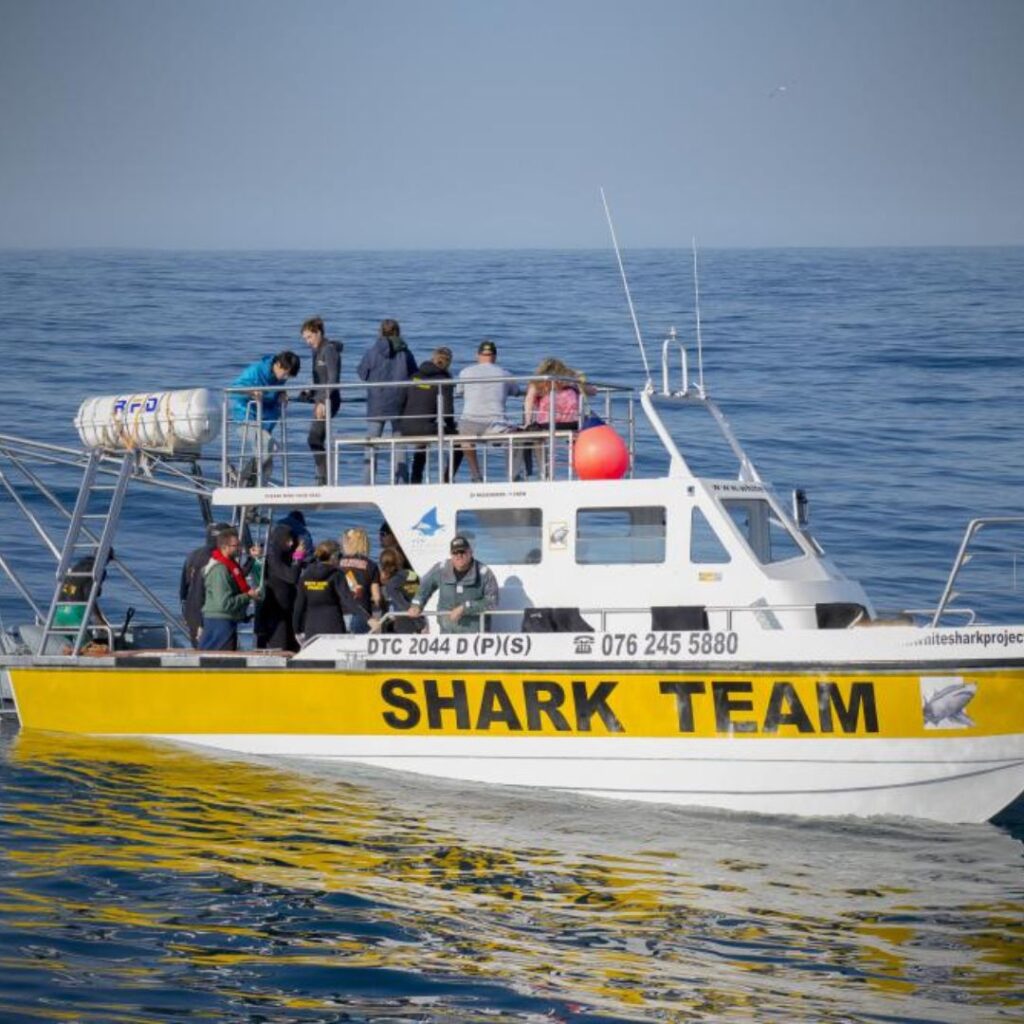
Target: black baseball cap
<point>458,544</point>
<point>487,347</point>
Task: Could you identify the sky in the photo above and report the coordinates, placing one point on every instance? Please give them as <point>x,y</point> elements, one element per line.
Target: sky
<point>351,124</point>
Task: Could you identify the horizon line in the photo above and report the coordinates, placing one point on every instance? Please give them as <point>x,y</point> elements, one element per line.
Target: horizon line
<point>524,249</point>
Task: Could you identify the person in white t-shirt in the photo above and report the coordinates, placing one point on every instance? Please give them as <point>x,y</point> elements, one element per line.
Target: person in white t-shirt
<point>485,387</point>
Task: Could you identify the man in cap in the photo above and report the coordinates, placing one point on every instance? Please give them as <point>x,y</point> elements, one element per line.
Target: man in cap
<point>467,590</point>
<point>485,387</point>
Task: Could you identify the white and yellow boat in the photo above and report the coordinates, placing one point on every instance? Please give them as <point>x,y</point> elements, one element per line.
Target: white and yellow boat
<point>711,654</point>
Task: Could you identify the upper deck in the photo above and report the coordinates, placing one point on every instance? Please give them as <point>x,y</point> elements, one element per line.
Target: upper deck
<point>723,548</point>
<point>660,546</point>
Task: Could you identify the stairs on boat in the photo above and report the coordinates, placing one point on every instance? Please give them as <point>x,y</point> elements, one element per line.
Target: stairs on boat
<point>86,551</point>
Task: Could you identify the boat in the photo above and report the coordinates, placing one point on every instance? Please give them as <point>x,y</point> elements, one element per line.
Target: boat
<point>662,635</point>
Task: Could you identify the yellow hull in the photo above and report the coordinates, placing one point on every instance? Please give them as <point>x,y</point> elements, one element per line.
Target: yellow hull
<point>947,747</point>
<point>737,705</point>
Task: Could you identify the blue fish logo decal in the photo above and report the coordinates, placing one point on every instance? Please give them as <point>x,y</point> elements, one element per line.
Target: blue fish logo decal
<point>428,524</point>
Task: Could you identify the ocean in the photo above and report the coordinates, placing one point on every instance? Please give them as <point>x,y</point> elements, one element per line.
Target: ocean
<point>146,883</point>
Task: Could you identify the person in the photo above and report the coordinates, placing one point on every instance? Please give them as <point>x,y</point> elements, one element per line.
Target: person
<point>282,567</point>
<point>326,370</point>
<point>485,387</point>
<point>538,402</point>
<point>74,593</point>
<point>324,598</point>
<point>387,539</point>
<point>191,590</point>
<point>387,361</point>
<point>467,590</point>
<point>255,412</point>
<point>363,578</point>
<point>227,594</point>
<point>295,520</point>
<point>562,397</point>
<point>419,413</point>
<point>398,587</point>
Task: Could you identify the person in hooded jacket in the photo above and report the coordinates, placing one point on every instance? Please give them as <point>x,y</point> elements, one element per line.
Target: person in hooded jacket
<point>295,520</point>
<point>324,598</point>
<point>280,585</point>
<point>419,413</point>
<point>255,412</point>
<point>387,361</point>
<point>192,589</point>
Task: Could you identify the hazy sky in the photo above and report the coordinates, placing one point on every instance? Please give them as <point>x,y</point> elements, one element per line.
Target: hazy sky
<point>479,123</point>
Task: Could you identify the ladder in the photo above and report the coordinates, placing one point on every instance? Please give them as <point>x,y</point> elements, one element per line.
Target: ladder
<point>90,536</point>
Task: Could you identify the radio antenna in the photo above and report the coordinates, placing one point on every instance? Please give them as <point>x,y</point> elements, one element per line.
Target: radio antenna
<point>625,285</point>
<point>696,306</point>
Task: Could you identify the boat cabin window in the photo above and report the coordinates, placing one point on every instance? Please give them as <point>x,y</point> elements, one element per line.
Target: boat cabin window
<point>765,533</point>
<point>502,536</point>
<point>620,536</point>
<point>705,547</point>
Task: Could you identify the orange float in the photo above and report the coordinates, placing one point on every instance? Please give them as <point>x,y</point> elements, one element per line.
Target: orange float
<point>600,454</point>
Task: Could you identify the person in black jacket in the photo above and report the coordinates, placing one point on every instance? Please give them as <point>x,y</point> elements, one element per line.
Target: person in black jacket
<point>326,370</point>
<point>280,586</point>
<point>191,590</point>
<point>419,413</point>
<point>398,586</point>
<point>324,598</point>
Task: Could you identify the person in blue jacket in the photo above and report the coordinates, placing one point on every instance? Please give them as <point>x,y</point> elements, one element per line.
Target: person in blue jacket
<point>255,413</point>
<point>387,361</point>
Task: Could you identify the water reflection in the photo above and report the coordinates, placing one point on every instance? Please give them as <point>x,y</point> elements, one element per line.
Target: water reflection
<point>143,882</point>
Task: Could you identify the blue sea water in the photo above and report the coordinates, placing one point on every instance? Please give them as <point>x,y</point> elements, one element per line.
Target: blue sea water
<point>139,883</point>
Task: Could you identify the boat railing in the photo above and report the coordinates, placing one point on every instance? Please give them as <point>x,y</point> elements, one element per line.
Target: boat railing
<point>1006,555</point>
<point>924,616</point>
<point>602,618</point>
<point>261,449</point>
<point>672,342</point>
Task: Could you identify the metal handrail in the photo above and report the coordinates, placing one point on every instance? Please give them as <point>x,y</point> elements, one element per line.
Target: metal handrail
<point>604,613</point>
<point>670,340</point>
<point>336,437</point>
<point>962,558</point>
<point>449,443</point>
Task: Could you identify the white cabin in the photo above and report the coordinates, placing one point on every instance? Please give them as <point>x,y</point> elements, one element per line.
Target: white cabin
<point>664,550</point>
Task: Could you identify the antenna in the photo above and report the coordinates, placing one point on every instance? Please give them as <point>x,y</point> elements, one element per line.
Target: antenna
<point>625,285</point>
<point>696,306</point>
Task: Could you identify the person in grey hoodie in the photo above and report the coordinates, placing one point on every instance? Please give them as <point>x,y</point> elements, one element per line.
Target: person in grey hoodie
<point>387,361</point>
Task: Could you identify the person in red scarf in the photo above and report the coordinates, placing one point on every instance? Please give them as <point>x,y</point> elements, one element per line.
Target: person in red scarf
<point>227,595</point>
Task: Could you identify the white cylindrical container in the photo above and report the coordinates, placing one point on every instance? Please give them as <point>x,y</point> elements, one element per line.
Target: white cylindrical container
<point>167,421</point>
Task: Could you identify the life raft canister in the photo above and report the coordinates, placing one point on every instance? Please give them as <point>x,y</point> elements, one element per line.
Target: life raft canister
<point>166,421</point>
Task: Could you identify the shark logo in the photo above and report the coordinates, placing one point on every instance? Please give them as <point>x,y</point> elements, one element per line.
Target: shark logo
<point>428,524</point>
<point>944,699</point>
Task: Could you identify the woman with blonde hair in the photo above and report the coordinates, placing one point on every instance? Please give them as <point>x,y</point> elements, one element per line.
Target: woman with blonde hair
<point>558,399</point>
<point>538,404</point>
<point>363,578</point>
<point>324,598</point>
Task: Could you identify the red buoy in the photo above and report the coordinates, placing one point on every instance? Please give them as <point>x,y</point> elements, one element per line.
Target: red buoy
<point>600,454</point>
